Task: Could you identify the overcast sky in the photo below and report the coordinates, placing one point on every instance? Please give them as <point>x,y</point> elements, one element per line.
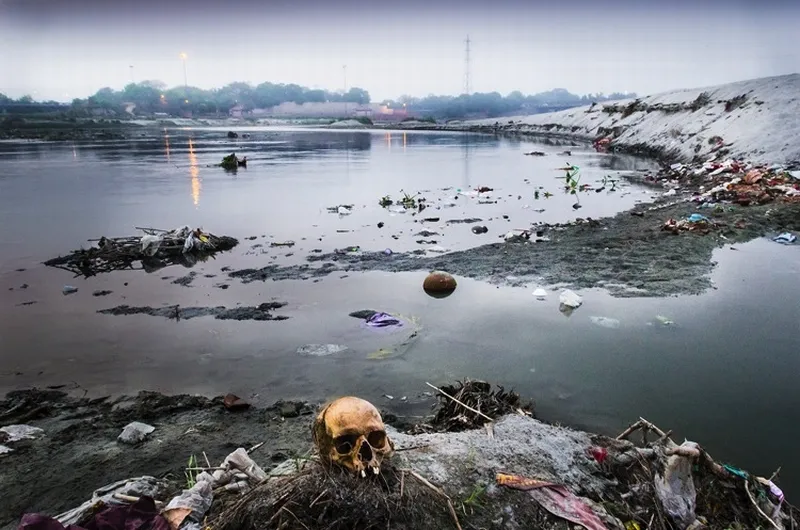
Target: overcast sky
<point>61,49</point>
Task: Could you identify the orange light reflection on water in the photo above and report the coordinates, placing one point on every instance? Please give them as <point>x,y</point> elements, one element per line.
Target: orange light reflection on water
<point>194,171</point>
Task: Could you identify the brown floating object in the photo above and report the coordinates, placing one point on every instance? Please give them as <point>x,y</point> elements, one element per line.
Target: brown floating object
<point>439,283</point>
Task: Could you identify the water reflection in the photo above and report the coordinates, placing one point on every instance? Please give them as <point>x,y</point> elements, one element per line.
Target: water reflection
<point>194,171</point>
<point>166,143</point>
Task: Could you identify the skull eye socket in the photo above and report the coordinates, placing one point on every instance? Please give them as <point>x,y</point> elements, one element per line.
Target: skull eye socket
<point>345,444</point>
<point>377,439</point>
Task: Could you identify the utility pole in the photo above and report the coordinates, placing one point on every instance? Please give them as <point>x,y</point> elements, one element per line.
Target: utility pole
<point>467,86</point>
<point>132,79</point>
<point>344,71</point>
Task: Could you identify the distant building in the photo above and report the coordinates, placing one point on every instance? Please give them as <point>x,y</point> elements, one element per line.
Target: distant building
<point>236,111</point>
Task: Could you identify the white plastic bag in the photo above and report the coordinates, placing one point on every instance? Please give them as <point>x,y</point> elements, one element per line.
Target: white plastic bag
<point>151,244</point>
<point>570,299</point>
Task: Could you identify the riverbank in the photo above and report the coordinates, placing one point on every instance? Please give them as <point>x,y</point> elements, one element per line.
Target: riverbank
<point>752,120</point>
<point>77,452</point>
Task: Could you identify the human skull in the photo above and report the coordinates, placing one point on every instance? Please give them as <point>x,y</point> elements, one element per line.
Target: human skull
<point>349,432</point>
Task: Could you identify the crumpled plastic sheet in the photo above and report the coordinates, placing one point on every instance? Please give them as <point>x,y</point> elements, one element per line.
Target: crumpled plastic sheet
<point>144,486</point>
<point>675,487</point>
<point>21,432</point>
<point>570,299</point>
<point>320,350</point>
<point>151,244</point>
<point>556,499</point>
<point>384,320</point>
<point>190,506</point>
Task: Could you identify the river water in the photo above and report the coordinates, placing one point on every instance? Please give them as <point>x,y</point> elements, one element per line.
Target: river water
<point>724,372</point>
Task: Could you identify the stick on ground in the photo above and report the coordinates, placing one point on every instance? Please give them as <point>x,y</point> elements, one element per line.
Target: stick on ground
<point>479,413</point>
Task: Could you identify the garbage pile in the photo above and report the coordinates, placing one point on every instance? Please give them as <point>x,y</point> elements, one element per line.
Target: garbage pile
<point>154,250</point>
<point>693,223</point>
<point>134,503</point>
<point>482,462</point>
<point>732,181</point>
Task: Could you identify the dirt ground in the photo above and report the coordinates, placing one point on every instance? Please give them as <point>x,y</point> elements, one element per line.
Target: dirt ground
<point>627,254</point>
<point>80,452</point>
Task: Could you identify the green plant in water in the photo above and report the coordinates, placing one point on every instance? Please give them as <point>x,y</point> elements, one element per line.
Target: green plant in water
<point>386,201</point>
<point>408,201</point>
<point>191,472</point>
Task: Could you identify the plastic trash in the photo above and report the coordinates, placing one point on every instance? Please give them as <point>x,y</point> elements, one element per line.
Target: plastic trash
<point>670,193</point>
<point>145,486</point>
<point>69,289</point>
<point>16,433</point>
<point>605,322</point>
<point>240,460</point>
<point>151,244</point>
<point>388,251</point>
<point>320,350</point>
<point>664,320</point>
<point>540,294</point>
<point>697,218</point>
<point>786,238</point>
<point>675,487</point>
<point>383,320</point>
<point>343,211</point>
<point>191,504</point>
<point>135,432</point>
<point>570,299</point>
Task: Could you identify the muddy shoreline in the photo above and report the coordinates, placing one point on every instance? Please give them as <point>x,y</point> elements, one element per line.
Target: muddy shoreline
<point>79,451</point>
<point>628,254</point>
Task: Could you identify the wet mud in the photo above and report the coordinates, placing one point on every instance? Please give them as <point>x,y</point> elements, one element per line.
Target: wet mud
<point>261,312</point>
<point>628,254</point>
<point>79,451</point>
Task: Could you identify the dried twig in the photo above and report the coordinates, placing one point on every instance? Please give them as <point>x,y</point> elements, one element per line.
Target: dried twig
<point>402,483</point>
<point>318,498</point>
<point>256,446</point>
<point>631,428</point>
<point>775,475</point>
<point>131,498</point>
<point>425,482</point>
<point>757,507</point>
<point>284,508</point>
<point>459,402</point>
<point>208,462</point>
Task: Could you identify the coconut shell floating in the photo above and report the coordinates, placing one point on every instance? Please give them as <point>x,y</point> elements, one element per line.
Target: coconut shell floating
<point>439,284</point>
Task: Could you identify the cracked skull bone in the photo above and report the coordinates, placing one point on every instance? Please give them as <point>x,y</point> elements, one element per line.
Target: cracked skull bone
<point>349,432</point>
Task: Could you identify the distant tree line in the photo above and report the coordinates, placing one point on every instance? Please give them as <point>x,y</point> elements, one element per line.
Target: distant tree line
<point>153,96</point>
<point>493,104</point>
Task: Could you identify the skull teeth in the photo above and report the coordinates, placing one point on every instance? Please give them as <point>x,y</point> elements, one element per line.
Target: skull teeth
<point>363,474</point>
<point>374,470</point>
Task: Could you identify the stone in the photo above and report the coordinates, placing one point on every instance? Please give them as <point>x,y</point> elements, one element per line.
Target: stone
<point>135,432</point>
<point>233,402</point>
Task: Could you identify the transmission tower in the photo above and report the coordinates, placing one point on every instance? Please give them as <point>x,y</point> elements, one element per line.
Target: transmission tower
<point>467,85</point>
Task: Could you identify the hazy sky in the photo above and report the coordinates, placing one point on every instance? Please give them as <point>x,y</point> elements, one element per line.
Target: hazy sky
<point>61,49</point>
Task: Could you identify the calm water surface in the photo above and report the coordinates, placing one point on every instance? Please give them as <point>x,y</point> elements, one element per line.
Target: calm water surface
<point>725,373</point>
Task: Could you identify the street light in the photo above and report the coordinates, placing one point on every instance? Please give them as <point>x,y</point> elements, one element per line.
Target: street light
<point>183,57</point>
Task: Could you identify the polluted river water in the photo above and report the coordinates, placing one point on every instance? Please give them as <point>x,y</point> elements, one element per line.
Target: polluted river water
<point>719,367</point>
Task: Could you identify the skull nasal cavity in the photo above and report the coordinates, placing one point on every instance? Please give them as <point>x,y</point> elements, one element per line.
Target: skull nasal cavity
<point>365,453</point>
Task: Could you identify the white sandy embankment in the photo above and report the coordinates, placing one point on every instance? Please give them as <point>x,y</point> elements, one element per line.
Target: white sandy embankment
<point>755,120</point>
